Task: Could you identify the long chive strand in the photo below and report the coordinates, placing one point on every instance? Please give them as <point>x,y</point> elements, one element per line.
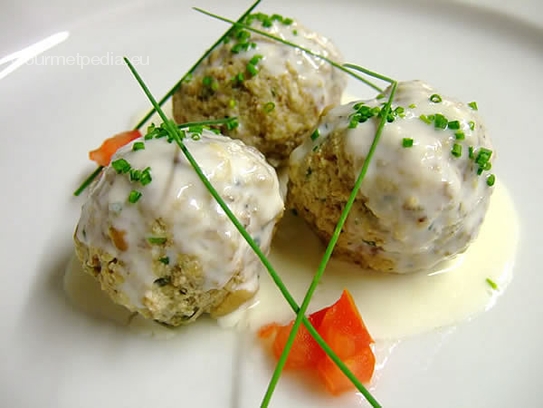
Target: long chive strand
<point>326,258</point>
<point>88,181</point>
<point>368,72</point>
<point>168,95</point>
<point>281,286</point>
<point>291,44</point>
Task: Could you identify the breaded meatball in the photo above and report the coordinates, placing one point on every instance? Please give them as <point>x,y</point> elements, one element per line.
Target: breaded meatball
<point>172,254</point>
<point>277,92</point>
<point>427,188</point>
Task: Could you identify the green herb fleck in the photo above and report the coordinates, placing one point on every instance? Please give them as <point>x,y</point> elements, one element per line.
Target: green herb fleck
<point>492,284</point>
<point>138,146</point>
<point>412,106</point>
<point>315,135</point>
<point>407,142</point>
<point>490,180</point>
<point>146,176</point>
<point>210,83</point>
<point>425,119</point>
<point>252,69</point>
<point>165,260</point>
<point>239,78</point>
<point>459,135</point>
<point>269,107</point>
<point>440,121</point>
<point>256,59</point>
<point>454,125</point>
<point>157,240</point>
<point>473,105</point>
<point>121,166</point>
<point>135,175</point>
<point>456,150</point>
<point>435,98</point>
<point>471,125</point>
<point>134,196</point>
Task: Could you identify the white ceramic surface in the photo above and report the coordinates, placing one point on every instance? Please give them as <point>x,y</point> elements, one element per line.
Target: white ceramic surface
<point>52,355</point>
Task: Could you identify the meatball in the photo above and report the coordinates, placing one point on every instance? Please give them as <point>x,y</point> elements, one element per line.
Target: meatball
<point>172,253</point>
<point>426,190</point>
<point>277,92</point>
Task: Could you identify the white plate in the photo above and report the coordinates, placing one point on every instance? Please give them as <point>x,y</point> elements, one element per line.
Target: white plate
<point>51,355</point>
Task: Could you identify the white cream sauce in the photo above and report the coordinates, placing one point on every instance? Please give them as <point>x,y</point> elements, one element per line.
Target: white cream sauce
<point>196,223</point>
<point>429,203</point>
<point>315,75</point>
<point>393,306</point>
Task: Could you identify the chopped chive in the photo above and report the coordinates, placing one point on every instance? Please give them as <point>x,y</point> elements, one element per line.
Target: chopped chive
<point>315,135</point>
<point>239,78</point>
<point>459,135</point>
<point>135,175</point>
<point>232,103</point>
<point>473,105</point>
<point>492,284</point>
<point>454,125</point>
<point>435,98</point>
<point>407,142</point>
<point>121,166</point>
<point>425,119</point>
<point>490,180</point>
<point>145,177</point>
<point>207,81</point>
<point>138,146</point>
<point>456,150</point>
<point>483,156</point>
<point>288,21</point>
<point>399,110</point>
<point>236,48</point>
<point>269,107</point>
<point>252,69</point>
<point>488,166</point>
<point>157,240</point>
<point>134,196</point>
<point>412,106</point>
<point>380,96</point>
<point>256,59</point>
<point>470,152</point>
<point>165,260</point>
<point>294,32</point>
<point>471,125</point>
<point>440,121</point>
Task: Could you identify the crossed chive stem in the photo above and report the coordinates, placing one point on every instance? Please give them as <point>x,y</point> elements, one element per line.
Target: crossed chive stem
<point>177,136</point>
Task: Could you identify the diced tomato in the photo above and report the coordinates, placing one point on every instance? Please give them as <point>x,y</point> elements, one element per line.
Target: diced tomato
<point>342,327</point>
<point>305,351</point>
<point>361,364</point>
<point>103,154</point>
